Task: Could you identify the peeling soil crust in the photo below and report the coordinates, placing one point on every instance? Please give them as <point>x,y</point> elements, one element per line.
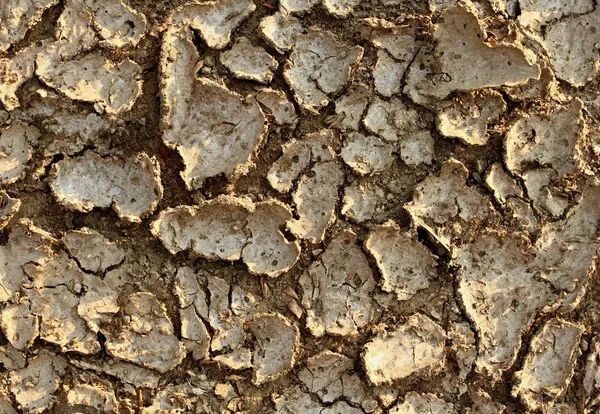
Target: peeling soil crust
<point>299,206</point>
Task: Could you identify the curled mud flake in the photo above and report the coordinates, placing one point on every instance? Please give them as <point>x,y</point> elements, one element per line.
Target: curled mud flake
<point>277,104</point>
<point>391,120</point>
<point>350,108</point>
<point>212,229</point>
<point>362,201</point>
<point>417,148</point>
<point>54,303</point>
<point>397,49</point>
<point>551,140</point>
<point>246,61</point>
<point>502,185</point>
<point>277,341</point>
<point>296,6</point>
<point>16,143</point>
<point>573,46</point>
<point>316,199</point>
<point>423,403</point>
<point>146,336</point>
<point>319,65</point>
<point>445,199</point>
<point>94,252</point>
<point>340,8</point>
<point>194,333</point>
<point>97,396</point>
<point>17,17</point>
<point>366,154</point>
<point>33,387</point>
<point>215,20</point>
<point>27,244</point>
<point>112,87</point>
<point>218,229</point>
<point>417,346</point>
<point>216,131</point>
<point>280,31</point>
<point>468,118</point>
<point>298,156</point>
<point>75,25</point>
<point>188,291</point>
<point>501,298</point>
<point>545,200</point>
<point>267,251</point>
<point>116,22</point>
<point>130,186</point>
<point>19,325</point>
<point>295,159</point>
<point>503,286</point>
<point>460,42</point>
<point>8,208</point>
<point>336,290</point>
<point>323,375</point>
<point>124,371</point>
<point>405,264</point>
<point>549,364</point>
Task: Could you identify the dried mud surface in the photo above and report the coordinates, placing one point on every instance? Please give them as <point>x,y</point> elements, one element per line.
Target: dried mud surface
<point>299,206</point>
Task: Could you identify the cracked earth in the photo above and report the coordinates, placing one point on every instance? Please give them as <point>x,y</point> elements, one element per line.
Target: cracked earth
<point>299,206</point>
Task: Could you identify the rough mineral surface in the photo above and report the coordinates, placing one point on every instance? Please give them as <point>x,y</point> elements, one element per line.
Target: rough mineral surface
<point>130,186</point>
<point>416,346</point>
<point>299,206</point>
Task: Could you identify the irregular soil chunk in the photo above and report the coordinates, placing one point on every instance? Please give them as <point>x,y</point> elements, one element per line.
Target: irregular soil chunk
<point>296,6</point>
<point>319,65</point>
<point>323,375</point>
<point>230,228</point>
<point>573,46</point>
<point>366,154</point>
<point>20,327</point>
<point>33,387</point>
<point>17,17</point>
<point>130,186</point>
<point>391,120</point>
<point>246,61</point>
<point>362,201</point>
<point>112,87</point>
<point>216,131</point>
<point>116,22</point>
<point>8,208</point>
<point>440,201</point>
<point>351,107</point>
<point>278,106</point>
<point>502,184</point>
<point>336,289</point>
<point>16,142</point>
<point>97,396</point>
<point>550,363</point>
<point>418,345</point>
<point>468,118</point>
<point>340,8</point>
<point>280,31</point>
<point>276,343</point>
<point>405,264</point>
<point>146,336</point>
<point>460,42</point>
<point>94,252</point>
<point>417,148</point>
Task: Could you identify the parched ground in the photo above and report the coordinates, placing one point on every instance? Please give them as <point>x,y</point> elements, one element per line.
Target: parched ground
<point>299,206</point>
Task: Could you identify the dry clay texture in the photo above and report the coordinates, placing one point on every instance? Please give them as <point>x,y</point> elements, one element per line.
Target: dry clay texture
<point>299,206</point>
